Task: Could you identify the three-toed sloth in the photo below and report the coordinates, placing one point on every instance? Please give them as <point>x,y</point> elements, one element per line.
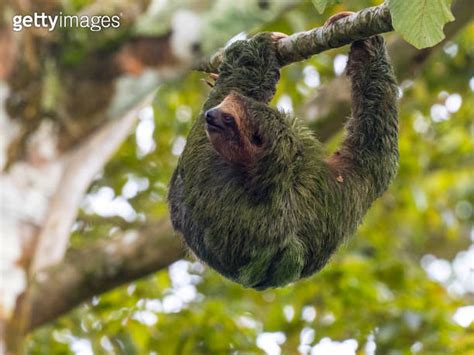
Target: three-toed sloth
<point>254,194</point>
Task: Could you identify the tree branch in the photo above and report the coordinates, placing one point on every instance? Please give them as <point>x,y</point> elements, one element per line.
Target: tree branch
<point>101,267</point>
<point>302,45</point>
<point>82,165</point>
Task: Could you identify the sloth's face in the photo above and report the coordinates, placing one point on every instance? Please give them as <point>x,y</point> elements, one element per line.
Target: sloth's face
<point>231,131</point>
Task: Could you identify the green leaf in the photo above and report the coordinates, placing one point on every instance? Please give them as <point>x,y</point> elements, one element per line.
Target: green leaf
<point>321,5</point>
<point>421,22</point>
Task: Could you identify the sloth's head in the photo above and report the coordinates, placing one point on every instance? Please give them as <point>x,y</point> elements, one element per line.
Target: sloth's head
<point>243,130</point>
<point>232,131</point>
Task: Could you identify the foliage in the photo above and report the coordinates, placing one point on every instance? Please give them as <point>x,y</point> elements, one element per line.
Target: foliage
<point>376,288</point>
<point>321,5</point>
<point>421,22</point>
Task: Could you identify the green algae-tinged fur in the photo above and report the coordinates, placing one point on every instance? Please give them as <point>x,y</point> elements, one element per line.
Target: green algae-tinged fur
<point>282,217</point>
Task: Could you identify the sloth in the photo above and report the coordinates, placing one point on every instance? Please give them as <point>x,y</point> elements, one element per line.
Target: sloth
<point>254,194</point>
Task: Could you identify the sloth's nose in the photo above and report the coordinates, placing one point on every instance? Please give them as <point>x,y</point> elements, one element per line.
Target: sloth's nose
<point>212,116</point>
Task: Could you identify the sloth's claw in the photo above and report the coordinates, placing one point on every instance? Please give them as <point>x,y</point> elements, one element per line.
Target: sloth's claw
<point>337,17</point>
<point>276,36</point>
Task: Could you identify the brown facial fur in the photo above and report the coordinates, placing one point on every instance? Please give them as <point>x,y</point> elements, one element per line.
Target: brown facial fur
<point>235,147</point>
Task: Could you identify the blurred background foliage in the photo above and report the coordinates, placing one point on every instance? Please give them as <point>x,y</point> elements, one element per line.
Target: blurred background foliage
<point>403,284</point>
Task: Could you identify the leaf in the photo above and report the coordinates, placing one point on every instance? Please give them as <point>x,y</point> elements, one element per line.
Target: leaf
<point>421,22</point>
<point>321,5</point>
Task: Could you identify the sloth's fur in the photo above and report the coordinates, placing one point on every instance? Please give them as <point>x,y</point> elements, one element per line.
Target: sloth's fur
<point>280,216</point>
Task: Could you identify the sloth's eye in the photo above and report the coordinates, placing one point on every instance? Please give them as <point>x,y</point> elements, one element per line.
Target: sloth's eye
<point>257,139</point>
<point>228,119</point>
